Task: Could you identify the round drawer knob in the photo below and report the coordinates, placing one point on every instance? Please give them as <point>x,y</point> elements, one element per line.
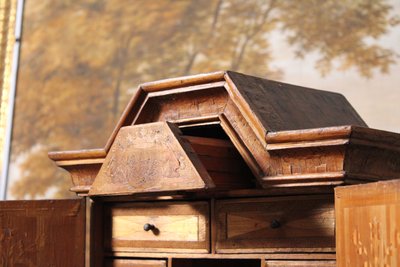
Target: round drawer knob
<point>148,227</point>
<point>275,224</point>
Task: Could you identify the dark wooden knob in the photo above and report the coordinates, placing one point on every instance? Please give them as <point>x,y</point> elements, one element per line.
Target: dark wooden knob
<point>148,227</point>
<point>275,224</point>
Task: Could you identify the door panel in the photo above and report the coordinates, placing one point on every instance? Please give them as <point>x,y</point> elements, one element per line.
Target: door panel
<point>368,224</point>
<point>42,233</point>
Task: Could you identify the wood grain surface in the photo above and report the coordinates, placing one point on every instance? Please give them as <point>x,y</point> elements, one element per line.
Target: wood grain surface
<point>179,227</point>
<point>42,233</point>
<point>150,158</point>
<point>305,224</point>
<point>280,106</point>
<point>259,102</point>
<point>223,163</point>
<point>288,136</point>
<point>368,224</point>
<point>185,104</point>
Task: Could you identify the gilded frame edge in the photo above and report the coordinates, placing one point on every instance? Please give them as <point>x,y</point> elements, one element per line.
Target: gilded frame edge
<point>8,14</point>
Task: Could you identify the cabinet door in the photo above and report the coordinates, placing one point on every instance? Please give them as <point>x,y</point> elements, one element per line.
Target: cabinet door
<point>42,233</point>
<point>368,224</point>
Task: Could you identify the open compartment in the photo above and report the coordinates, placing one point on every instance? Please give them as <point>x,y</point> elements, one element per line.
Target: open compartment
<point>219,156</point>
<point>158,157</point>
<point>206,147</point>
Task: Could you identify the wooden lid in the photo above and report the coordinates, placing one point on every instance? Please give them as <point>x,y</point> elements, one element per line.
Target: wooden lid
<point>150,158</point>
<point>266,105</point>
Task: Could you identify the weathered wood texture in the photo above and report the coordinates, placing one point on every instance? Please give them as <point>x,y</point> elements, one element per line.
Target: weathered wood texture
<point>150,158</point>
<point>135,105</point>
<point>251,146</point>
<point>178,227</point>
<point>274,138</point>
<point>260,101</point>
<point>181,105</point>
<point>42,233</point>
<point>331,156</point>
<point>77,154</point>
<point>288,224</point>
<point>373,155</point>
<point>83,166</point>
<point>368,224</point>
<point>280,106</point>
<point>307,157</point>
<point>312,157</point>
<point>134,263</point>
<point>83,173</point>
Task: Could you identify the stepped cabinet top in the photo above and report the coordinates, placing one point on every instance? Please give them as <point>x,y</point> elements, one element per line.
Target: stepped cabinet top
<point>226,131</point>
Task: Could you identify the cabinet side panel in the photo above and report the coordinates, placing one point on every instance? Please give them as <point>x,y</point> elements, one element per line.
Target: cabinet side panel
<point>42,233</point>
<point>368,224</point>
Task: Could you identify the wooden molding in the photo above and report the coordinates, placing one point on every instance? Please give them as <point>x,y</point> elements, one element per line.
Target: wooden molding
<point>332,156</point>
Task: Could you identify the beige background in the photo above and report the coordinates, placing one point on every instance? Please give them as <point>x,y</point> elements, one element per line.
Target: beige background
<point>376,99</point>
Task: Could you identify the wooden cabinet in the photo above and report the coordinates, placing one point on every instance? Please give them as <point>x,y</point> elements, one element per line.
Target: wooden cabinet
<point>225,169</point>
<point>279,224</point>
<point>157,227</point>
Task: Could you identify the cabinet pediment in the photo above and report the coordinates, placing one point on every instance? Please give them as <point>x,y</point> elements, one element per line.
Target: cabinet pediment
<point>240,132</point>
<point>265,105</point>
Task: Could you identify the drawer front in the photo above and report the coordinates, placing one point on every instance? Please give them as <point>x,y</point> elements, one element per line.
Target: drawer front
<point>279,224</point>
<point>171,227</point>
<point>134,263</point>
<point>300,263</point>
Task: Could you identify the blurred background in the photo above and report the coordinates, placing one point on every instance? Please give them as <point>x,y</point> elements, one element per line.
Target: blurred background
<point>81,60</point>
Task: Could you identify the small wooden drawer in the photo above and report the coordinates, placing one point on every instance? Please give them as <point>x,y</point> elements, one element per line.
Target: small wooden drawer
<point>134,263</point>
<point>171,227</point>
<point>279,224</point>
<point>308,263</point>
